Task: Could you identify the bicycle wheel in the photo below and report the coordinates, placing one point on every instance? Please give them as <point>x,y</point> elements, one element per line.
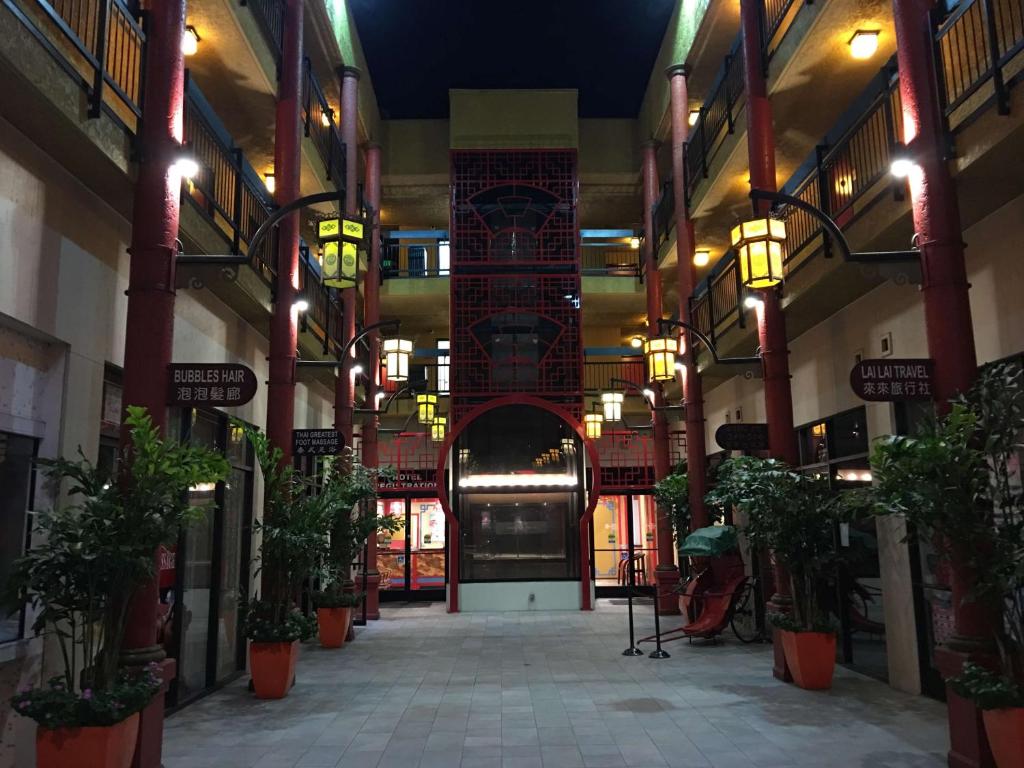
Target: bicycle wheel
<point>743,622</point>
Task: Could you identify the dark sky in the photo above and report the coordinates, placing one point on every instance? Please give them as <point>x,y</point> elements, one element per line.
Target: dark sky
<point>418,49</point>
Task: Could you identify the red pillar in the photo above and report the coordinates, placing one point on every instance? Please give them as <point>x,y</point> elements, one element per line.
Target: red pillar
<point>693,390</point>
<point>371,315</point>
<point>948,327</point>
<point>771,322</point>
<point>284,333</point>
<point>345,391</point>
<point>666,573</point>
<point>149,332</point>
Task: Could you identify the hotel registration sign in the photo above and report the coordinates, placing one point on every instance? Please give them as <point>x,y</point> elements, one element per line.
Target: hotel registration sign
<point>884,380</point>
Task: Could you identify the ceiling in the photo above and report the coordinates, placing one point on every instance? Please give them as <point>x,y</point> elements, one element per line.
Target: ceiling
<point>417,50</point>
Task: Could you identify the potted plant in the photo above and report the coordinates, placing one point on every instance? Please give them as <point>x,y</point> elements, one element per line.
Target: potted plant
<point>672,494</point>
<point>958,483</point>
<point>293,535</point>
<point>92,557</point>
<point>792,516</point>
<point>349,491</point>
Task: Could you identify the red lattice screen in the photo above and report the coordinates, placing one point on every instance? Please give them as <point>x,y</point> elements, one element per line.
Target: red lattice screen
<point>413,455</point>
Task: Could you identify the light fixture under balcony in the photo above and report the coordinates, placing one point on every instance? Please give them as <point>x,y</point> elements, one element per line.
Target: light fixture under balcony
<point>634,243</point>
<point>864,43</point>
<point>189,41</point>
<point>693,117</point>
<point>185,165</point>
<point>269,182</point>
<point>300,305</point>
<point>701,257</point>
<point>902,164</point>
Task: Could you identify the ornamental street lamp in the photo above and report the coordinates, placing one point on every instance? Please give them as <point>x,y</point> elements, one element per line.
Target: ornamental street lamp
<point>426,407</point>
<point>437,429</point>
<point>660,354</point>
<point>396,359</point>
<point>612,404</point>
<point>592,422</point>
<point>758,245</point>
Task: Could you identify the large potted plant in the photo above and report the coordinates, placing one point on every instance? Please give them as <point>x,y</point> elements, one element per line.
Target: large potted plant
<point>293,533</point>
<point>958,483</point>
<point>792,516</point>
<point>93,555</point>
<point>349,490</point>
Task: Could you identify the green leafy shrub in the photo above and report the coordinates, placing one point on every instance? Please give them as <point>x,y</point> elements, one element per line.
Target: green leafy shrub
<point>672,494</point>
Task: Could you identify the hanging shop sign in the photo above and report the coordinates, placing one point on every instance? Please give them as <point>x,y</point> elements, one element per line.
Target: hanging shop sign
<point>213,385</point>
<point>883,380</point>
<point>340,239</point>
<point>316,442</point>
<point>742,437</point>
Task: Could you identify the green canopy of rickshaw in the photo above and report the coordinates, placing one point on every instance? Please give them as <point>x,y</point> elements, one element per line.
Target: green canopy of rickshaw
<point>709,542</point>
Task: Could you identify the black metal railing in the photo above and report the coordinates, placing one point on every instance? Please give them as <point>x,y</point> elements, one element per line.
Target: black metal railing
<point>598,374</point>
<point>425,258</point>
<point>664,215</point>
<point>320,126</point>
<point>224,191</point>
<point>99,43</point>
<point>720,305</point>
<point>716,121</point>
<point>269,15</point>
<point>975,45</point>
<point>775,14</point>
<point>612,261</point>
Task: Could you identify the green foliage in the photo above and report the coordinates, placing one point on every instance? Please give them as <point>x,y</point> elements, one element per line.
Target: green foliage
<point>57,706</point>
<point>308,531</point>
<point>958,482</point>
<point>792,516</point>
<point>94,553</point>
<point>334,597</point>
<point>672,494</point>
<point>790,623</point>
<point>986,689</point>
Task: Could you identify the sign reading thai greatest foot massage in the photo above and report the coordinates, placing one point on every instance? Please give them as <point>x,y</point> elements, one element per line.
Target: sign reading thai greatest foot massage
<point>316,442</point>
<point>884,380</point>
<point>216,385</point>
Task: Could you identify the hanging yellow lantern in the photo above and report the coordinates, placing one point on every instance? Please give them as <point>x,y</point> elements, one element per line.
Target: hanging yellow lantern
<point>612,404</point>
<point>396,358</point>
<point>592,422</point>
<point>758,245</point>
<point>426,407</point>
<point>660,352</point>
<point>437,429</point>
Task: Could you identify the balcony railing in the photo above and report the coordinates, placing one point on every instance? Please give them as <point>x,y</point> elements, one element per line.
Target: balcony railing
<point>99,43</point>
<point>226,190</point>
<point>319,125</point>
<point>417,257</point>
<point>269,15</point>
<point>718,307</point>
<point>664,214</point>
<point>609,260</point>
<point>598,374</point>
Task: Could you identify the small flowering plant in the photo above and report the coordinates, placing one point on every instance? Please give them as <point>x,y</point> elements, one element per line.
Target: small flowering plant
<point>55,706</point>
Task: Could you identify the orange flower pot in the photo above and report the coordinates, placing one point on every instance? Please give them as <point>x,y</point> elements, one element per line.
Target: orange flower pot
<point>811,657</point>
<point>107,746</point>
<point>272,666</point>
<point>1005,730</point>
<point>333,624</point>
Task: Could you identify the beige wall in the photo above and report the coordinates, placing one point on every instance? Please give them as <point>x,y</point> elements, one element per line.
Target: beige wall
<point>820,363</point>
<point>64,262</point>
<point>484,119</point>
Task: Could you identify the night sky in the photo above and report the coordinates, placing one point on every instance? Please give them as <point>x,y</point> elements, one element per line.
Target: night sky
<point>418,49</point>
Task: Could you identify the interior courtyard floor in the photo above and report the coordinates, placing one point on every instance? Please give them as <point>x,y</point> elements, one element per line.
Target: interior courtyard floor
<point>423,688</point>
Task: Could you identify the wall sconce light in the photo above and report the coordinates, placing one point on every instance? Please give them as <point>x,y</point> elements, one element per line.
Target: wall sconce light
<point>636,342</point>
<point>612,404</point>
<point>185,165</point>
<point>396,358</point>
<point>634,243</point>
<point>426,407</point>
<point>902,164</point>
<point>864,43</point>
<point>190,41</point>
<point>301,305</point>
<point>325,119</point>
<point>269,182</point>
<point>758,245</point>
<point>701,257</point>
<point>693,117</point>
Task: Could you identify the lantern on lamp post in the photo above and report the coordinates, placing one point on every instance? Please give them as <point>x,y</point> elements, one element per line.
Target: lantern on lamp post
<point>660,353</point>
<point>396,353</point>
<point>611,402</point>
<point>758,245</point>
<point>426,408</point>
<point>592,422</point>
<point>437,429</point>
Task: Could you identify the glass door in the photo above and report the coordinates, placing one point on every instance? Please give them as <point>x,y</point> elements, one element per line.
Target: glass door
<point>412,560</point>
<point>624,539</point>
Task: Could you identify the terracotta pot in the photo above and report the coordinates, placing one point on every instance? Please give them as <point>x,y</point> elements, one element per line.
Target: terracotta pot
<point>272,666</point>
<point>108,746</point>
<point>811,657</point>
<point>333,624</point>
<point>1005,730</point>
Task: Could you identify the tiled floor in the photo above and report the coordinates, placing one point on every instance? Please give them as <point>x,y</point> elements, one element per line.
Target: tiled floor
<point>549,690</point>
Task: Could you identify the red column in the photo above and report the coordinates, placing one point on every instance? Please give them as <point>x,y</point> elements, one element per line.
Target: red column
<point>693,390</point>
<point>948,327</point>
<point>771,322</point>
<point>149,332</point>
<point>345,391</point>
<point>284,333</point>
<point>371,315</point>
<point>666,573</point>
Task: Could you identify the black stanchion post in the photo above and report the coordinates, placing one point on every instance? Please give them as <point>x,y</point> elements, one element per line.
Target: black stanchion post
<point>657,653</point>
<point>632,650</point>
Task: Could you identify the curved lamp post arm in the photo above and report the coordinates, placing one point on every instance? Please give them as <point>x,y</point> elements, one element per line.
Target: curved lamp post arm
<point>666,323</point>
<point>395,324</point>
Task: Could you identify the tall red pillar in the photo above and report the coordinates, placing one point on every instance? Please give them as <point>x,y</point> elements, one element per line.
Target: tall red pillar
<point>948,327</point>
<point>693,390</point>
<point>371,315</point>
<point>771,322</point>
<point>149,332</point>
<point>284,332</point>
<point>345,391</point>
<point>666,573</point>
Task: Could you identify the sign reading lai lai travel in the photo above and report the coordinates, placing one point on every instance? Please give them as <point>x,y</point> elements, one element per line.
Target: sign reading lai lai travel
<point>884,380</point>
<point>316,442</point>
<point>742,437</point>
<point>216,385</point>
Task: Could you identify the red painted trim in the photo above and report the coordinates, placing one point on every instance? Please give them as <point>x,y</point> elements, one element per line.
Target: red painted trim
<point>453,524</point>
